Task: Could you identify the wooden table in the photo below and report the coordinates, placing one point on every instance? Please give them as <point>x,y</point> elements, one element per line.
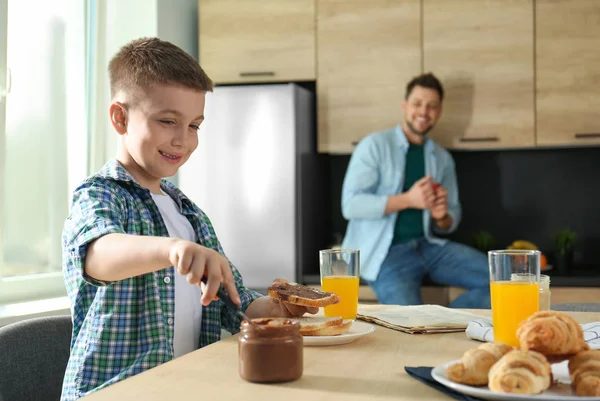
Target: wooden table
<point>370,368</point>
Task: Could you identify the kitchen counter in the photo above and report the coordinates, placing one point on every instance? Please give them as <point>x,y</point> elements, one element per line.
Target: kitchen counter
<point>574,281</point>
<point>578,278</point>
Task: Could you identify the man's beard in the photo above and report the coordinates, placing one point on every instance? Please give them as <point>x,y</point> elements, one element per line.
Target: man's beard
<point>420,133</point>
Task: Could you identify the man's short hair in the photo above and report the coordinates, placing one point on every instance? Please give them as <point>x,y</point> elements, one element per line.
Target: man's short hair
<point>427,81</point>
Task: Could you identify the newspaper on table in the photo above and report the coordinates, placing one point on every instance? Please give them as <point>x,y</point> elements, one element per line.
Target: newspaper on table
<point>417,319</point>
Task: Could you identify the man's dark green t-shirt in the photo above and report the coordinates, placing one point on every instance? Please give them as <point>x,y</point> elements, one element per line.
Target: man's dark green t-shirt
<point>409,223</point>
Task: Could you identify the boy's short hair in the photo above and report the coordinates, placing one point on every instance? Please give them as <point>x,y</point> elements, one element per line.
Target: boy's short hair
<point>426,81</point>
<point>145,62</point>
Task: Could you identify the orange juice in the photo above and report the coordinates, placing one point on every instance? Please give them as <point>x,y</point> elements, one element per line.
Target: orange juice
<point>346,288</point>
<point>512,302</point>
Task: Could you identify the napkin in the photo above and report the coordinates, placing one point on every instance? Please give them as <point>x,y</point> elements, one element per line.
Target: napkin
<point>482,330</point>
<point>423,374</point>
<point>416,319</point>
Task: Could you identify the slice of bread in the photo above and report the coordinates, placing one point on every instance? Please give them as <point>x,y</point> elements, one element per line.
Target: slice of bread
<point>312,323</point>
<point>329,330</point>
<point>299,294</point>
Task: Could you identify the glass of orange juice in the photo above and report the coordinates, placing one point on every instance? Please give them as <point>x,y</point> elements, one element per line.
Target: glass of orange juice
<point>513,300</point>
<point>340,274</point>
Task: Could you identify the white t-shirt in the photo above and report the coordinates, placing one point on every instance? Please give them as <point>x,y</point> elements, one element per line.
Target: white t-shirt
<point>188,308</point>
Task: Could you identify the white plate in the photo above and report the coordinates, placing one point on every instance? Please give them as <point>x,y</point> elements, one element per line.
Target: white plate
<point>560,391</point>
<point>357,330</point>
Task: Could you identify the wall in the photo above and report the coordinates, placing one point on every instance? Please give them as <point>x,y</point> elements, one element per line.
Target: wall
<point>524,194</point>
<point>530,194</point>
<point>177,22</point>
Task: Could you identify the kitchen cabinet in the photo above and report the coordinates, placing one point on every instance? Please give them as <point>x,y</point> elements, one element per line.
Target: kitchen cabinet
<point>257,40</point>
<point>567,72</point>
<point>483,53</point>
<point>367,51</point>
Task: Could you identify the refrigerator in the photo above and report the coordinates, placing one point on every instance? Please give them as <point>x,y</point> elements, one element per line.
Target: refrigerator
<point>257,176</point>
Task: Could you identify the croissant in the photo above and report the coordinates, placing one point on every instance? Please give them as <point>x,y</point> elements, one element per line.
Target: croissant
<point>475,364</point>
<point>551,333</point>
<point>584,369</point>
<point>522,372</point>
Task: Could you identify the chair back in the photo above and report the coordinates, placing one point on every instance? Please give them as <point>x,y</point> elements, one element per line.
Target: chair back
<point>33,358</point>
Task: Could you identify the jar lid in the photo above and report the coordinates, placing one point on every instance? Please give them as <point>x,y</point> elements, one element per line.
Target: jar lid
<point>528,277</point>
<point>271,326</point>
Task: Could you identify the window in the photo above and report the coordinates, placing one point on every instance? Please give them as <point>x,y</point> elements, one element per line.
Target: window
<point>43,139</point>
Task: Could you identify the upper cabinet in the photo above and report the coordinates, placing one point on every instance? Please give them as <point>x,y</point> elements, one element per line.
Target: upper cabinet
<point>257,40</point>
<point>483,53</point>
<point>568,72</point>
<point>367,51</point>
<point>517,73</point>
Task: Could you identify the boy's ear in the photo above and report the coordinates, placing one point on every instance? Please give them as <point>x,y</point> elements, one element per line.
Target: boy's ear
<point>118,117</point>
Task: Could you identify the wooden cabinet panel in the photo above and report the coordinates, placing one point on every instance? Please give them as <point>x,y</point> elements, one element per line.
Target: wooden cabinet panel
<point>257,40</point>
<point>367,51</point>
<point>567,295</point>
<point>568,72</point>
<point>483,53</point>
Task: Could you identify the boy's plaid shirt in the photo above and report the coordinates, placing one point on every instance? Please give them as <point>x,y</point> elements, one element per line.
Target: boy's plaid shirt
<point>124,328</point>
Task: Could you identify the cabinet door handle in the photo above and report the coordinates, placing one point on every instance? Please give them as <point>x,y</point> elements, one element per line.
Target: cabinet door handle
<point>354,143</point>
<point>257,74</point>
<point>480,139</point>
<point>588,135</point>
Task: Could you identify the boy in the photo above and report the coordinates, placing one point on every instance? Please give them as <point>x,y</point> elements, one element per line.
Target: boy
<point>134,246</point>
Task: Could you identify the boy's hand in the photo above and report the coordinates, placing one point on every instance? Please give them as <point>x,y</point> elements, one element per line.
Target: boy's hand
<point>195,261</point>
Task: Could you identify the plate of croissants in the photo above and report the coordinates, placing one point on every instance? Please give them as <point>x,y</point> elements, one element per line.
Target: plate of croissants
<point>552,362</point>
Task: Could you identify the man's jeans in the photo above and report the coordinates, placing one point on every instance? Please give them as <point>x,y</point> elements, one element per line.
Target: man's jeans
<point>452,264</point>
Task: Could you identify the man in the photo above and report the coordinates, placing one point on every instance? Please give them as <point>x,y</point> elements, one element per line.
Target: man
<point>400,191</point>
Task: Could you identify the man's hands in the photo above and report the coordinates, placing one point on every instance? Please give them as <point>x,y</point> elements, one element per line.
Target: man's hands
<point>439,209</point>
<point>195,261</point>
<point>426,194</point>
<point>421,195</point>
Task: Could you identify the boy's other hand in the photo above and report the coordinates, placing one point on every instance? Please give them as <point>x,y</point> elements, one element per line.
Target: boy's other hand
<point>270,307</point>
<point>195,261</point>
<point>278,308</point>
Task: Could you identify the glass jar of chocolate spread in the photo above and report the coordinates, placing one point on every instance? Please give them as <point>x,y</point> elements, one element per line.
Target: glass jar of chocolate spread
<point>270,350</point>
